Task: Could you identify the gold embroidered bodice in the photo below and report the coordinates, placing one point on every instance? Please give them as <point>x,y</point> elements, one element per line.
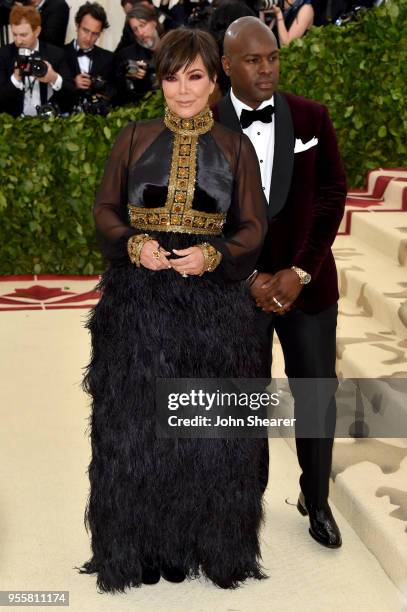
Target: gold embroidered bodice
<point>177,215</point>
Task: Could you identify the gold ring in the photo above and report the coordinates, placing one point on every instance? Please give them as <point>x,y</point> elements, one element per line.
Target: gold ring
<point>278,303</point>
<point>156,254</point>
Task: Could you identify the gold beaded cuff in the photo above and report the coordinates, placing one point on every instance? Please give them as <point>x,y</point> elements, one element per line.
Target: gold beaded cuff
<point>212,257</point>
<point>134,245</point>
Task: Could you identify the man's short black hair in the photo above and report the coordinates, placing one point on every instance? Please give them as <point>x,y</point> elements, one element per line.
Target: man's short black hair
<point>95,10</point>
<point>133,2</point>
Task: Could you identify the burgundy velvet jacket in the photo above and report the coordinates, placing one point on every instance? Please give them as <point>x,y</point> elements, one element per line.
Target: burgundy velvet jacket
<point>307,196</point>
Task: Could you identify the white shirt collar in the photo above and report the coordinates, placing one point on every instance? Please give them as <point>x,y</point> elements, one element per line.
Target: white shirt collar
<point>41,4</point>
<point>239,106</point>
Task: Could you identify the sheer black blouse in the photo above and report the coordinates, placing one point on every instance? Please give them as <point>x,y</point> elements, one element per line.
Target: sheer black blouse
<point>227,181</point>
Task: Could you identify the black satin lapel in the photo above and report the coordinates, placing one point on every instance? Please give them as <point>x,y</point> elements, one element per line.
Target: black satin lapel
<point>283,155</point>
<point>44,93</point>
<point>227,114</point>
<point>95,65</point>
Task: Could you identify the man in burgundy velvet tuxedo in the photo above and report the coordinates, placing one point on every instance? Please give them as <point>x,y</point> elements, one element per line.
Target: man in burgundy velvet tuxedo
<point>296,287</point>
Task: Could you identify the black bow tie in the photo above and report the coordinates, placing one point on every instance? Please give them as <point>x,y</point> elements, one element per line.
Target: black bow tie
<point>265,115</point>
<point>82,53</point>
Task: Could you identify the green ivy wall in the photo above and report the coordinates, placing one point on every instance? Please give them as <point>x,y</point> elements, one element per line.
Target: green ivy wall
<point>50,169</point>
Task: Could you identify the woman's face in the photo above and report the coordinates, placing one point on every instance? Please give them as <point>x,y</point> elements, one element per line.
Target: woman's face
<point>187,91</point>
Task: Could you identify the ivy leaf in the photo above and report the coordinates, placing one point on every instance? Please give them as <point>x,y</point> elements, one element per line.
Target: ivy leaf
<point>3,201</point>
<point>72,146</point>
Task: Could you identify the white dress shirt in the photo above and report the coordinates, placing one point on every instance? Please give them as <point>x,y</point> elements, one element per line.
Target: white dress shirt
<point>84,61</point>
<point>262,137</point>
<point>31,87</point>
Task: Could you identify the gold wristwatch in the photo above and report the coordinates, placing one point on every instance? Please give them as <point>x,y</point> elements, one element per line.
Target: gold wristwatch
<point>304,277</point>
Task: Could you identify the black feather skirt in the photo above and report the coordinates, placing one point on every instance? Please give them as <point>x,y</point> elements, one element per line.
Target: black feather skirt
<point>194,504</point>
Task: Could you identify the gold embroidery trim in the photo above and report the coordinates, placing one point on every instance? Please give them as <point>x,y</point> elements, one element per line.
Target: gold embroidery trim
<point>177,215</point>
<point>197,125</point>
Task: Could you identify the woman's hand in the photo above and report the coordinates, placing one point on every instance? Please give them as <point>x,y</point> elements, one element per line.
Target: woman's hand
<point>154,257</point>
<point>191,261</point>
<point>277,12</point>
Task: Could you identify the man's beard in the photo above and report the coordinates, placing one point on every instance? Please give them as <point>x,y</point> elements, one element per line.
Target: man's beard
<point>149,43</point>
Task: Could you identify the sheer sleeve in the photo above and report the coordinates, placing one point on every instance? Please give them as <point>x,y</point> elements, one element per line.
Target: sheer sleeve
<point>110,209</point>
<point>246,222</point>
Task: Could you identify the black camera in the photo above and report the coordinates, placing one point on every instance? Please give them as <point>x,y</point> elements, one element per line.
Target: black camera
<point>97,84</point>
<point>200,15</point>
<point>93,106</point>
<point>267,5</point>
<point>130,66</point>
<point>30,63</point>
<point>46,111</point>
<point>352,15</point>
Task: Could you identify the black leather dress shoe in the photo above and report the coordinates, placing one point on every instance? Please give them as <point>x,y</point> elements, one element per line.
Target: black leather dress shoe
<point>323,527</point>
<point>172,574</point>
<point>150,575</point>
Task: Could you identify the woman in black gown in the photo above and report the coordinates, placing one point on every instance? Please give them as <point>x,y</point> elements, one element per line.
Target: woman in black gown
<point>174,507</point>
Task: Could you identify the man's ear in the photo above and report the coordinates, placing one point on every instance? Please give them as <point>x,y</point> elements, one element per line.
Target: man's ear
<point>226,64</point>
<point>213,84</point>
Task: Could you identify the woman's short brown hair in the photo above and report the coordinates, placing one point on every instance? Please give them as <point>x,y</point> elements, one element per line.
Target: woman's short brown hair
<point>180,47</point>
<point>19,14</point>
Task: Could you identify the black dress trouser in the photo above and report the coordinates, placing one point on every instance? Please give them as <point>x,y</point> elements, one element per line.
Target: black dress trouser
<point>309,347</point>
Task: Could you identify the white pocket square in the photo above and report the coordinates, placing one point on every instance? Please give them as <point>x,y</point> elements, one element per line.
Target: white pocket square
<point>303,146</point>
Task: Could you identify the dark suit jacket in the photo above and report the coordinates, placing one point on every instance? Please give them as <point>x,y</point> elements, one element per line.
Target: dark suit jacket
<point>54,22</point>
<point>102,66</point>
<point>307,196</point>
<point>12,99</point>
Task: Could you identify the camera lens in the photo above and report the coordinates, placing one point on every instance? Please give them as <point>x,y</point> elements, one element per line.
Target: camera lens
<point>38,68</point>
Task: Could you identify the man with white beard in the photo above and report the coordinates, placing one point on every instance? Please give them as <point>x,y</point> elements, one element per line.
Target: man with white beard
<point>134,64</point>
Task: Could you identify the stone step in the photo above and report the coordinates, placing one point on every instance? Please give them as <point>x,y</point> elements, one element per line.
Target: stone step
<point>373,283</point>
<point>386,232</point>
<point>394,198</point>
<point>377,181</point>
<point>368,487</point>
<point>366,348</point>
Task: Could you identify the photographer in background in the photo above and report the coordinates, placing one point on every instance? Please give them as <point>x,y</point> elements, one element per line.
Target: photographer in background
<point>168,18</point>
<point>90,66</point>
<point>54,20</point>
<point>290,19</point>
<point>32,73</point>
<point>134,64</point>
<point>127,37</point>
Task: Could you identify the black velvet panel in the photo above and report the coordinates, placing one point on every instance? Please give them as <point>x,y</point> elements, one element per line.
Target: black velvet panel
<point>148,178</point>
<point>214,185</point>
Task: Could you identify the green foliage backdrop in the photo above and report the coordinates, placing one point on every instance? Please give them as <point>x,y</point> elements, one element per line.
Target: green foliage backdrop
<point>360,72</point>
<point>49,170</point>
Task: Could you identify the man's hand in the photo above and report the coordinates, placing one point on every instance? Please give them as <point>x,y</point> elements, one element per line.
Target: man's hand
<point>51,75</point>
<point>17,74</point>
<point>138,69</point>
<point>284,287</point>
<point>262,295</point>
<point>83,81</point>
<point>255,288</point>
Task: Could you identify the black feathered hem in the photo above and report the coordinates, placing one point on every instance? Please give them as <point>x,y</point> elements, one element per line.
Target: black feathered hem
<point>194,504</point>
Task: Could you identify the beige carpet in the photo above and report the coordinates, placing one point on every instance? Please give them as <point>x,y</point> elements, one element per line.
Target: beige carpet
<point>44,457</point>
